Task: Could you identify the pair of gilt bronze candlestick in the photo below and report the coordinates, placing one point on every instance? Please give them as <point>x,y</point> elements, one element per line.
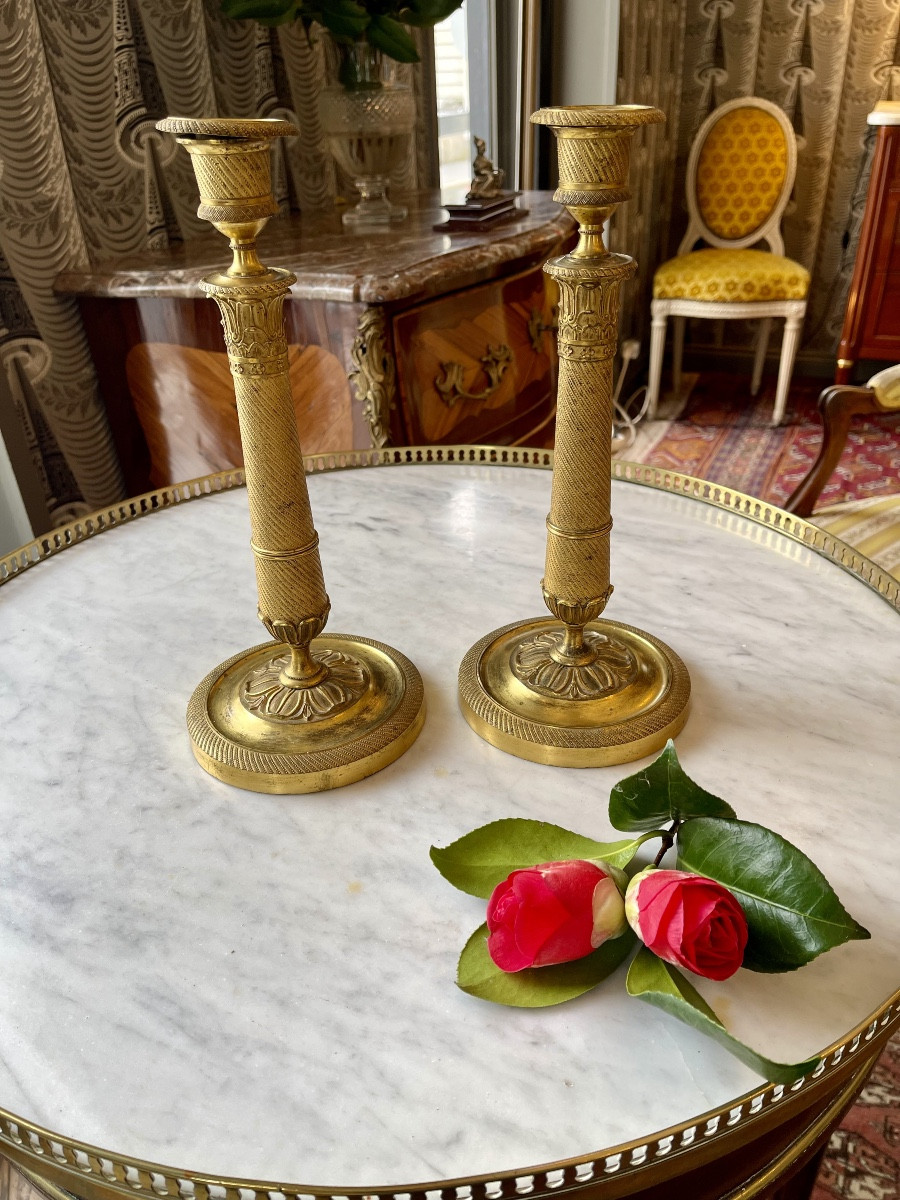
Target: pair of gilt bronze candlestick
<point>316,711</point>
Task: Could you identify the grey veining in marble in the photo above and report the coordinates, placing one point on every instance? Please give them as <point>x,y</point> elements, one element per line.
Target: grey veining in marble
<point>263,986</point>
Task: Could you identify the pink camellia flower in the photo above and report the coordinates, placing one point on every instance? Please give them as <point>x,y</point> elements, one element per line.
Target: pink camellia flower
<point>554,913</point>
<point>688,920</point>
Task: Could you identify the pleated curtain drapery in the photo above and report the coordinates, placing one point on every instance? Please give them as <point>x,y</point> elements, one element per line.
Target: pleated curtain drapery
<point>825,62</point>
<point>86,178</point>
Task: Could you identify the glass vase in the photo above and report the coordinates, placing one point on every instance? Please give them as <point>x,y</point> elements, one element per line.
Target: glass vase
<point>368,118</point>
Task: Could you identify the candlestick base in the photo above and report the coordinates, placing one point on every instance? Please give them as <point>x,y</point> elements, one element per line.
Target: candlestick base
<point>621,700</point>
<point>249,726</point>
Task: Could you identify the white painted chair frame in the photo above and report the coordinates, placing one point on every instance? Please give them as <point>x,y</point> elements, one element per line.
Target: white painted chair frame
<point>793,311</point>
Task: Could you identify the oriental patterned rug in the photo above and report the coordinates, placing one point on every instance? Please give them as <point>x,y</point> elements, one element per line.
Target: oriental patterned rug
<point>717,431</point>
<point>862,1161</point>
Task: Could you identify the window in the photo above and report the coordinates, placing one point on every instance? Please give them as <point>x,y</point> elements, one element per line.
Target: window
<point>465,78</point>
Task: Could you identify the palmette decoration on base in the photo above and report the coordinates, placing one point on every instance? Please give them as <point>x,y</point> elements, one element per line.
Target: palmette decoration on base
<point>579,691</point>
<point>312,711</point>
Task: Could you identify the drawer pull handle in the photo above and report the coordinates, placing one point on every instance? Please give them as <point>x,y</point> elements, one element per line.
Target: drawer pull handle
<point>451,386</point>
<point>537,327</point>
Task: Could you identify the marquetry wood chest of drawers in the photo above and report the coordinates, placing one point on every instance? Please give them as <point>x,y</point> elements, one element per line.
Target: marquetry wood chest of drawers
<point>401,337</point>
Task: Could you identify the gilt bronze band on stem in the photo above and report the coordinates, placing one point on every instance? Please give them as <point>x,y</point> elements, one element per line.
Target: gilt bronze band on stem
<point>314,711</point>
<point>580,691</point>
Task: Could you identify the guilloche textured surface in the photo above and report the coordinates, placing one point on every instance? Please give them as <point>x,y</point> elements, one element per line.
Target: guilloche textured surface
<point>263,986</point>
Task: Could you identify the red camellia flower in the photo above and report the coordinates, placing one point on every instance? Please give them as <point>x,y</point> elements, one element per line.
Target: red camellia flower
<point>688,920</point>
<point>554,913</point>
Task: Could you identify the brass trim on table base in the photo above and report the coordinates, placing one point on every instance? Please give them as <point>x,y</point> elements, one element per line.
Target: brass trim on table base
<point>92,1173</point>
<point>628,1169</point>
<point>575,692</point>
<point>806,1141</point>
<point>310,713</point>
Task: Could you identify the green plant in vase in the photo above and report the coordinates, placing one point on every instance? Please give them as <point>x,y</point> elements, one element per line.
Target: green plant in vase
<point>367,115</point>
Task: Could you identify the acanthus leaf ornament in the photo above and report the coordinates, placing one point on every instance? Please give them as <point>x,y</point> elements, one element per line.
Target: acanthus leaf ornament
<point>375,375</point>
<point>265,692</point>
<point>610,668</point>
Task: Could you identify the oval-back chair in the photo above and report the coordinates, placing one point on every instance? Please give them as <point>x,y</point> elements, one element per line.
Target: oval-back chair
<point>739,179</point>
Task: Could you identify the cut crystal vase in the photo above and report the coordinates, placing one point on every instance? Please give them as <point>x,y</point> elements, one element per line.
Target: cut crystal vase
<point>368,118</point>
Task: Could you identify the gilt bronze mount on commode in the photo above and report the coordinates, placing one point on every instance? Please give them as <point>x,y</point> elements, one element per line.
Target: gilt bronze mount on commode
<point>578,690</point>
<point>312,711</point>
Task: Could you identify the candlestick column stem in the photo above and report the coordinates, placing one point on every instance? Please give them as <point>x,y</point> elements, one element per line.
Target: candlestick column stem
<point>585,692</point>
<point>315,711</point>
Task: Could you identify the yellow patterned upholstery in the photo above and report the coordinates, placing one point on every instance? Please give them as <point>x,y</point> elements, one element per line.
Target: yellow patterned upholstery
<point>871,526</point>
<point>741,172</point>
<point>730,276</point>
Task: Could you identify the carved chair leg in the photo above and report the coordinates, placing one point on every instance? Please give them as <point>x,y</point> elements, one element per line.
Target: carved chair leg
<point>837,404</point>
<point>677,353</point>
<point>657,346</point>
<point>759,358</point>
<point>789,344</point>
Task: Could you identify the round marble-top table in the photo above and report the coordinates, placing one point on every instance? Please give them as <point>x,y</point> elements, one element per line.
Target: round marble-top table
<point>262,987</point>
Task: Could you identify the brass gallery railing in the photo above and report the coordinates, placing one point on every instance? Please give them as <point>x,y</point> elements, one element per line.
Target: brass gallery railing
<point>57,1162</point>
<point>716,494</point>
<point>97,1174</point>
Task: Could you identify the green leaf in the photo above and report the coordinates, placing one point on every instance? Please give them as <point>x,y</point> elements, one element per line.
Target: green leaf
<point>791,909</point>
<point>651,979</point>
<point>537,987</point>
<point>392,39</point>
<point>345,18</point>
<point>661,792</point>
<point>423,13</point>
<point>479,860</point>
<point>269,11</point>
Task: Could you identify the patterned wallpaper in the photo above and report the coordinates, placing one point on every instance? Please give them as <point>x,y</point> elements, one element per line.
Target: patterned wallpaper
<point>651,47</point>
<point>826,63</point>
<point>84,176</point>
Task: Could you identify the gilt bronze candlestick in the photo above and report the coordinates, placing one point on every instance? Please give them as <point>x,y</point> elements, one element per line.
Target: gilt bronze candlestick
<point>312,711</point>
<point>579,691</point>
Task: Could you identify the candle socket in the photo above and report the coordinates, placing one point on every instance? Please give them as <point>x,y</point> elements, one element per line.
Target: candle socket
<point>312,711</point>
<point>580,691</point>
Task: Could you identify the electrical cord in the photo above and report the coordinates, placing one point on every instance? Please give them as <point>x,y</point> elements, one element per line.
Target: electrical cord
<point>625,423</point>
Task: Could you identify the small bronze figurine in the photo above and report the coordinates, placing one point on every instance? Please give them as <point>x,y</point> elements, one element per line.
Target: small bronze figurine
<point>487,204</point>
<point>487,183</point>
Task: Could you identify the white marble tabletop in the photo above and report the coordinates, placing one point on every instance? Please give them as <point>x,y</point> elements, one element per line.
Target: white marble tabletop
<point>263,986</point>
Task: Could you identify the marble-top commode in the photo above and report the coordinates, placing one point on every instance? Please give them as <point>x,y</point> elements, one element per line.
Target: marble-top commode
<point>263,986</point>
<point>412,259</point>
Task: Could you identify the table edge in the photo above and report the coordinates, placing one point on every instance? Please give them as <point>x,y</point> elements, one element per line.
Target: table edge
<point>110,1175</point>
<point>717,495</point>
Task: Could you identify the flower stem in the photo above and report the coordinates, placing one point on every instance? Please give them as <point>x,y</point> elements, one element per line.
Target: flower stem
<point>668,842</point>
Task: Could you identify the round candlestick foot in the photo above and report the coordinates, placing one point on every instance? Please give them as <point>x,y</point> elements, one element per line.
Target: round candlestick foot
<point>520,691</point>
<point>250,727</point>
